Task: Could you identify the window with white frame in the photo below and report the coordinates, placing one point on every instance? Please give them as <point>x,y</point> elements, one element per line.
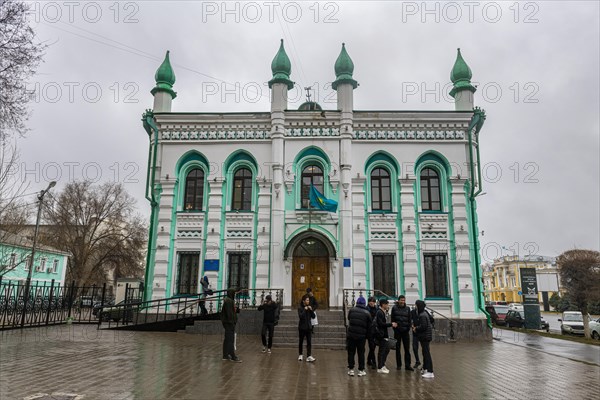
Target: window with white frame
<point>436,275</point>
<point>27,263</point>
<point>13,260</point>
<point>54,266</point>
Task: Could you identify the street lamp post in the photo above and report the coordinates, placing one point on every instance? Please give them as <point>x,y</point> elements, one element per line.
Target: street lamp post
<point>35,234</point>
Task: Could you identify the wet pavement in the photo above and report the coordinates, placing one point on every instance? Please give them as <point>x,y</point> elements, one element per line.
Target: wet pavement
<point>79,362</point>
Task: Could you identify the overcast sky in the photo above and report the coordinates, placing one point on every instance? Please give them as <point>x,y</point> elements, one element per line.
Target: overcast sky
<point>536,63</point>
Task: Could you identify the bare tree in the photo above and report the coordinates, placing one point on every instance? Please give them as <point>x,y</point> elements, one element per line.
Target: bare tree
<point>98,226</point>
<point>20,55</point>
<point>580,274</point>
<point>15,208</point>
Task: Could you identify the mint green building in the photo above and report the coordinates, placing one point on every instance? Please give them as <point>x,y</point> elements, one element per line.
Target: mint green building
<point>230,195</point>
<point>15,258</point>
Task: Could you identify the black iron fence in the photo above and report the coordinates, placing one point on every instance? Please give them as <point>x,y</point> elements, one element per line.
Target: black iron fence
<point>48,303</point>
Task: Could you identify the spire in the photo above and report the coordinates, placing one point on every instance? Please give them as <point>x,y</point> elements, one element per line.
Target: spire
<point>281,67</point>
<point>461,76</point>
<point>165,77</point>
<point>344,68</point>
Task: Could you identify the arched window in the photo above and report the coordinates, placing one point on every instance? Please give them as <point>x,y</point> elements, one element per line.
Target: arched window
<point>194,190</point>
<point>430,190</point>
<point>311,175</point>
<point>242,190</point>
<point>380,190</point>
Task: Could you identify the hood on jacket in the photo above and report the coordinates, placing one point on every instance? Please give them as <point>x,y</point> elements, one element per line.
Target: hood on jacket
<point>420,305</point>
<point>231,293</point>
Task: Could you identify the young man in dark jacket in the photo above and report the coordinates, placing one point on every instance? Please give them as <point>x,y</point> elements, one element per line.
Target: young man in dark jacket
<point>382,335</point>
<point>229,319</point>
<point>414,315</point>
<point>401,316</point>
<point>359,322</point>
<point>372,307</point>
<point>424,331</point>
<point>270,309</point>
<point>305,314</point>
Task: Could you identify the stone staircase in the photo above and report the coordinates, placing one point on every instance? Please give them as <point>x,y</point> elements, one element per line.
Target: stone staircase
<point>329,334</point>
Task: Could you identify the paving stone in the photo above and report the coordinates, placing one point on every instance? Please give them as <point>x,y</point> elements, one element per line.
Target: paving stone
<point>78,360</point>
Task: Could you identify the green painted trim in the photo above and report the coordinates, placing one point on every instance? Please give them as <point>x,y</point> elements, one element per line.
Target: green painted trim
<point>270,236</point>
<point>452,254</point>
<point>439,298</point>
<point>255,240</point>
<point>390,168</point>
<point>317,228</point>
<point>204,236</point>
<point>367,242</point>
<point>172,233</point>
<point>150,127</point>
<point>220,278</point>
<point>418,239</point>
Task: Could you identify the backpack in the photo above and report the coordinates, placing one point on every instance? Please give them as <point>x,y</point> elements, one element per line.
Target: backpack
<point>431,320</point>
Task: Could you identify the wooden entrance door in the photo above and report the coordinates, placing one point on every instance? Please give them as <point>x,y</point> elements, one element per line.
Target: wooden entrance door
<point>311,272</point>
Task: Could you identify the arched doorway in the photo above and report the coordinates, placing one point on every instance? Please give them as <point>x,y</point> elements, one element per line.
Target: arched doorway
<point>310,269</point>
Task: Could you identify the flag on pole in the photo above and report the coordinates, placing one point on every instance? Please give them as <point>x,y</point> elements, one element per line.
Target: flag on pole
<point>318,201</point>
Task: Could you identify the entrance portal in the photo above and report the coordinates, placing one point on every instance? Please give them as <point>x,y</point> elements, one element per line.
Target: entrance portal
<point>310,269</point>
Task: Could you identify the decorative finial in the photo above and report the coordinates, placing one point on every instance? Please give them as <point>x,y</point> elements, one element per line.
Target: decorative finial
<point>281,67</point>
<point>461,75</point>
<point>165,77</point>
<point>344,68</point>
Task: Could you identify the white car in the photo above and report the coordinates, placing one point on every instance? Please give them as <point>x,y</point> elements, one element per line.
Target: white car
<point>515,306</point>
<point>571,323</point>
<point>595,328</point>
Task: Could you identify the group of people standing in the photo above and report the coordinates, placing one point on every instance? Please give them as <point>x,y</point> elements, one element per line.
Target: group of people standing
<point>368,323</point>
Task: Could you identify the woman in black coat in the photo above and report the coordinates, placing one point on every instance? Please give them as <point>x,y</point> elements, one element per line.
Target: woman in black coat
<point>305,314</point>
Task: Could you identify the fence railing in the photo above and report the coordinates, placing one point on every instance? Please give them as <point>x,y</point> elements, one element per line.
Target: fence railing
<point>48,303</point>
<point>133,314</point>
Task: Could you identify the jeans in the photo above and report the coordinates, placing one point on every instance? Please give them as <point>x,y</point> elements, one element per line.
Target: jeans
<point>427,361</point>
<point>305,334</point>
<point>355,345</point>
<point>403,337</point>
<point>270,327</point>
<point>384,350</point>
<point>415,344</point>
<point>228,348</point>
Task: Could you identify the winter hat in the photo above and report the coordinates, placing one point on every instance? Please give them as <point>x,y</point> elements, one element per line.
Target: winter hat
<point>361,301</point>
<point>420,305</point>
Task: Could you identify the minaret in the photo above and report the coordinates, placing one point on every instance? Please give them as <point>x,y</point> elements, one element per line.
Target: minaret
<point>281,67</point>
<point>163,91</point>
<point>463,90</point>
<point>344,84</point>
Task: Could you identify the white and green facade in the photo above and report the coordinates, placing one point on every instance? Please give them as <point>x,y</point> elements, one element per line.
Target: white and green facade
<point>228,194</point>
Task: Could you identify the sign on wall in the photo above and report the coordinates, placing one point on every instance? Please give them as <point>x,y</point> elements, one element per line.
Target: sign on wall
<point>211,265</point>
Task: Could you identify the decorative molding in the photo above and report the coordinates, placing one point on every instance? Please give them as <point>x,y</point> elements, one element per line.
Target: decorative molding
<point>312,131</point>
<point>229,134</point>
<point>192,234</point>
<point>413,134</point>
<point>241,233</point>
<point>434,235</point>
<point>383,235</point>
<point>190,221</point>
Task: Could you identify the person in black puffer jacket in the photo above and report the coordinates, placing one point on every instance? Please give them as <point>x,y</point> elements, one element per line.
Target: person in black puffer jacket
<point>424,331</point>
<point>271,315</point>
<point>382,335</point>
<point>414,316</point>
<point>359,322</point>
<point>372,307</point>
<point>401,315</point>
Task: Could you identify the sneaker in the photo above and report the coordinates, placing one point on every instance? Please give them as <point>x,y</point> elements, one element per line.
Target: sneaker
<point>361,373</point>
<point>387,371</point>
<point>310,359</point>
<point>300,357</point>
<point>236,359</point>
<point>428,375</point>
<point>264,350</point>
<point>225,358</point>
<point>351,372</point>
<point>410,369</point>
<point>269,351</point>
<point>383,371</point>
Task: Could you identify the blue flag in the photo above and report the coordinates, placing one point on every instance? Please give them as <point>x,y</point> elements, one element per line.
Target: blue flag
<point>318,201</point>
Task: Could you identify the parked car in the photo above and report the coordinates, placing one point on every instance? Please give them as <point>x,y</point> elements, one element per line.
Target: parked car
<point>595,328</point>
<point>98,306</point>
<point>571,323</point>
<point>516,319</point>
<point>498,313</point>
<point>515,306</point>
<point>500,303</point>
<point>122,311</point>
<point>86,301</point>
